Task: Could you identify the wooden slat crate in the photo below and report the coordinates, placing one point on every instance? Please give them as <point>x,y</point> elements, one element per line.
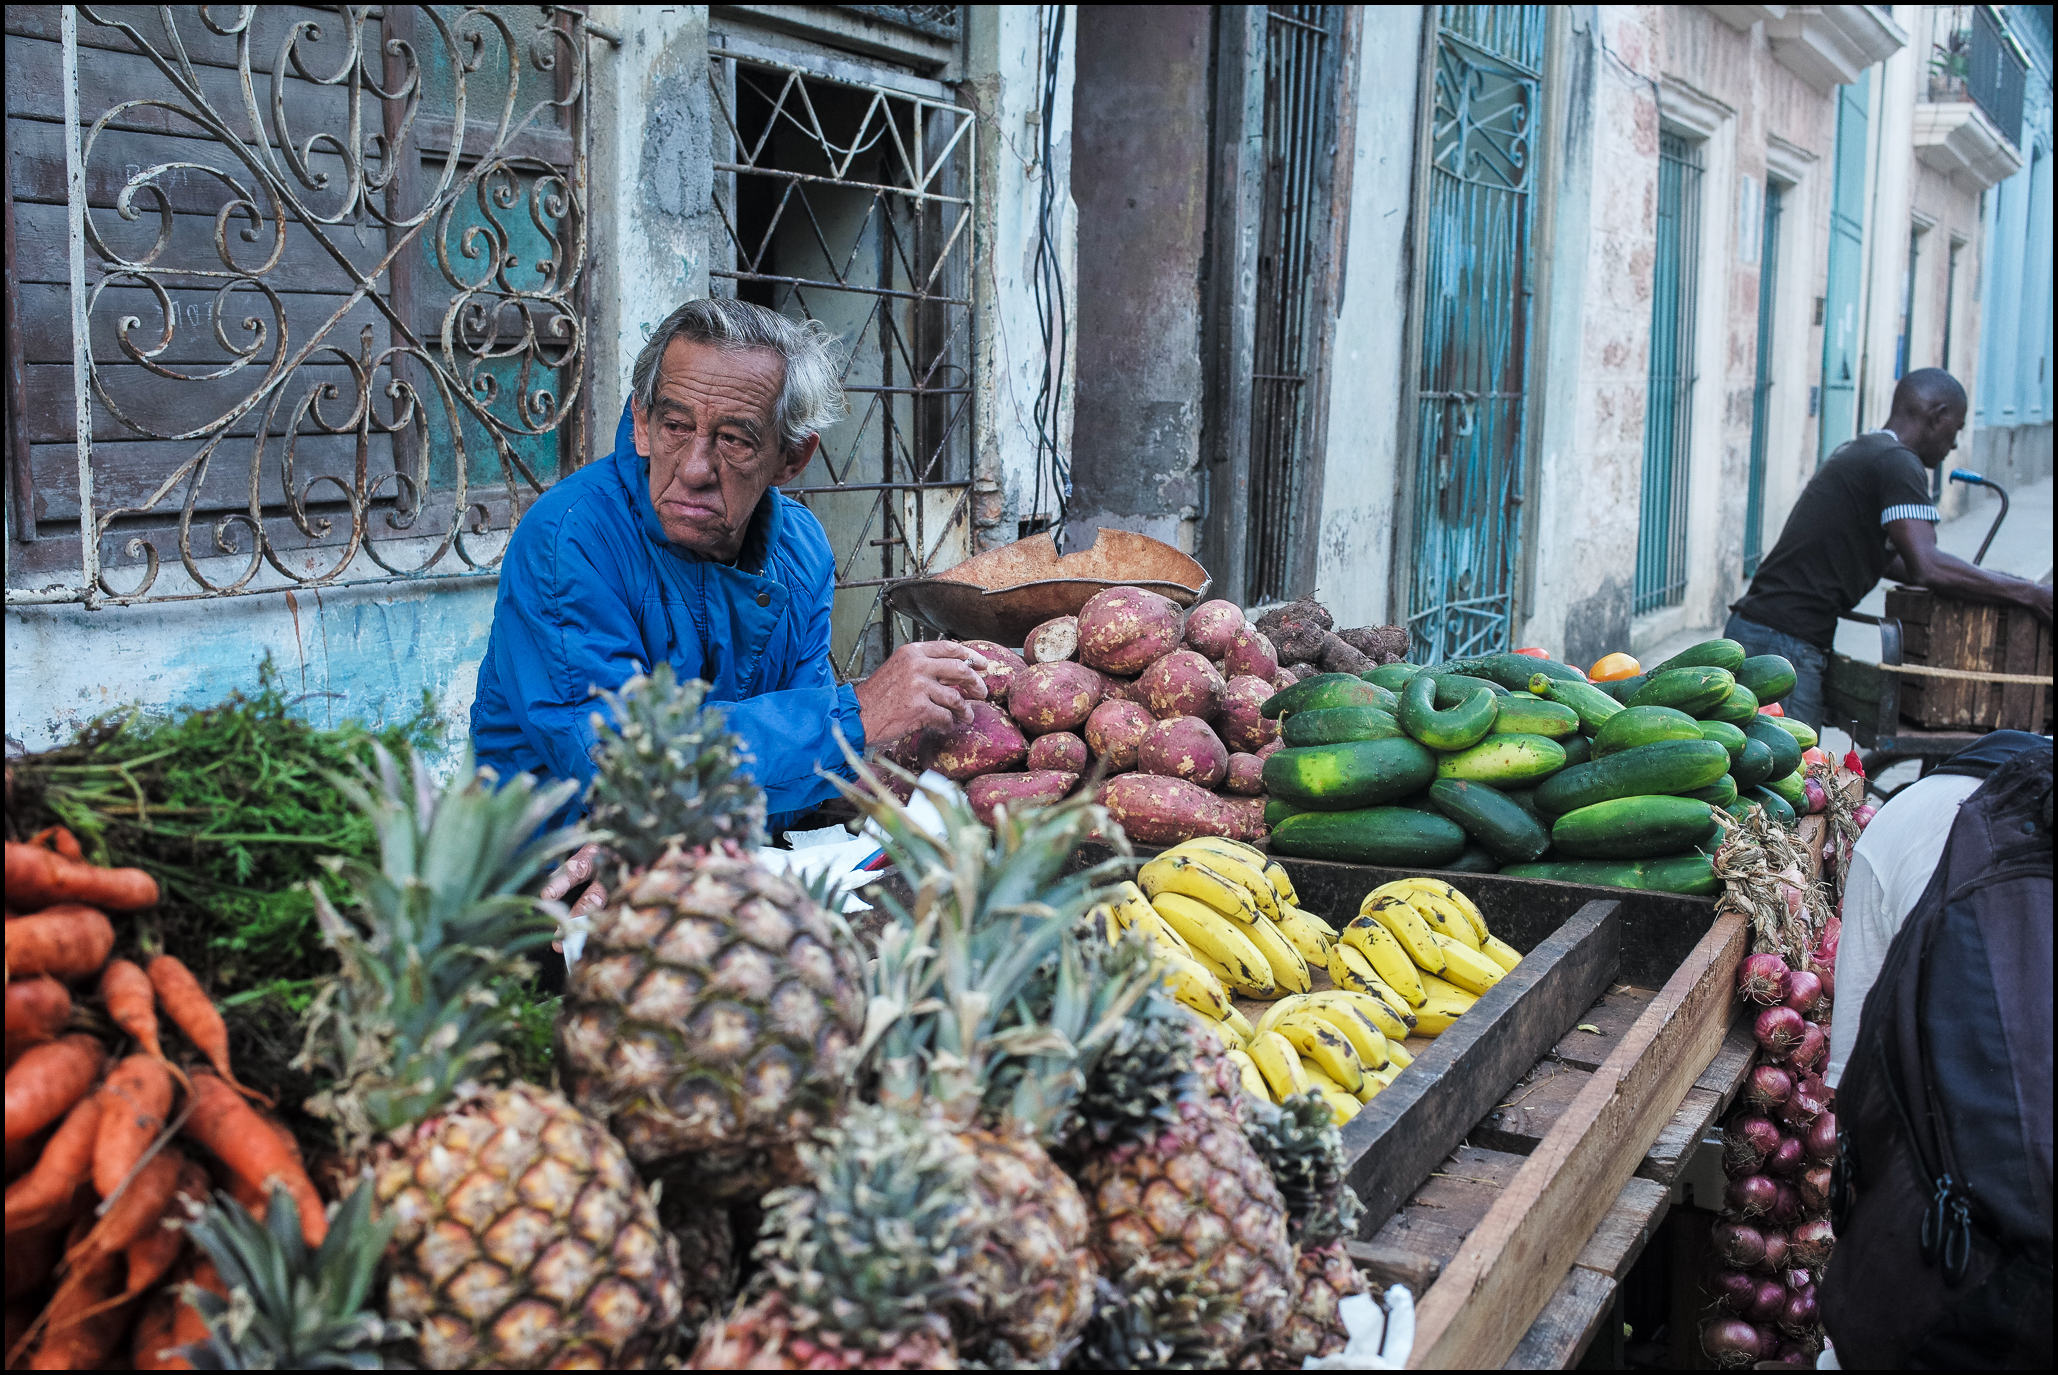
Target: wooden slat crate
<point>1943,632</point>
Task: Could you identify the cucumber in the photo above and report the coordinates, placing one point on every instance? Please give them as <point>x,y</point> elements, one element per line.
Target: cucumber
<point>1803,733</point>
<point>1740,706</point>
<point>1750,768</point>
<point>1591,704</point>
<point>1453,688</point>
<point>1786,751</point>
<point>1277,810</point>
<point>1578,749</point>
<point>1334,725</point>
<point>1516,760</point>
<point>1327,690</point>
<point>1622,689</point>
<point>1392,677</point>
<point>1691,690</point>
<point>1720,793</point>
<point>1693,875</point>
<point>1490,818</point>
<point>1633,726</point>
<point>1524,713</point>
<point>1724,733</point>
<point>1669,766</point>
<point>1475,859</point>
<point>1792,789</point>
<point>1725,654</point>
<point>1740,809</point>
<point>1775,806</point>
<point>1771,676</point>
<point>1357,773</point>
<point>1513,671</point>
<point>1460,726</point>
<point>1633,828</point>
<point>1398,836</point>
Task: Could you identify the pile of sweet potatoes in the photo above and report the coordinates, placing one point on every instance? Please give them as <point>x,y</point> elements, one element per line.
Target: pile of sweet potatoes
<point>1164,703</point>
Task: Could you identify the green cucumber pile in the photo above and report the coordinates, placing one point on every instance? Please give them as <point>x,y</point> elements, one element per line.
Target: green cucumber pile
<point>1519,765</point>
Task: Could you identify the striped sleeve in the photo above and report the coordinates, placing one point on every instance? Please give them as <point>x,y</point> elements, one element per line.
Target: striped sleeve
<point>1910,512</point>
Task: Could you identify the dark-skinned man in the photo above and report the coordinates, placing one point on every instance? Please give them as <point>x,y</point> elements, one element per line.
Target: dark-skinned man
<point>1866,515</point>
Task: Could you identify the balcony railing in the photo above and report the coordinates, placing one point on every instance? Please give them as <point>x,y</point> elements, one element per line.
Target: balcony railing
<point>1976,60</point>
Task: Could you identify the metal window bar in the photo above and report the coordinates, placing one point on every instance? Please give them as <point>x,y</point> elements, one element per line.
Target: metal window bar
<point>356,280</point>
<point>1761,388</point>
<point>1474,304</point>
<point>851,203</point>
<point>1301,42</point>
<point>1661,570</point>
<point>1994,75</point>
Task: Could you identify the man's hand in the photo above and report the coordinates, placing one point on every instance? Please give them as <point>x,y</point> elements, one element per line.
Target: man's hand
<point>574,871</point>
<point>922,685</point>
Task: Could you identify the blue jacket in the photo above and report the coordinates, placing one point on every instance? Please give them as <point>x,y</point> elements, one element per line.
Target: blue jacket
<point>591,592</point>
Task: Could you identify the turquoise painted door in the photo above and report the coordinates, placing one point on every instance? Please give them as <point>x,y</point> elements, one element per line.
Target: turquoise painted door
<point>1473,295</point>
<point>1846,262</point>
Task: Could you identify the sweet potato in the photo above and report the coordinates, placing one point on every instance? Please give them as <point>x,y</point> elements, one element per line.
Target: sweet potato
<point>1246,817</point>
<point>1270,748</point>
<point>1240,721</point>
<point>1114,730</point>
<point>1246,775</point>
<point>1183,747</point>
<point>1060,751</point>
<point>1115,688</point>
<point>988,743</point>
<point>1002,664</point>
<point>1053,696</point>
<point>1165,811</point>
<point>1015,791</point>
<point>1285,678</point>
<point>1211,627</point>
<point>1125,629</point>
<point>1055,640</point>
<point>1182,683</point>
<point>1251,653</point>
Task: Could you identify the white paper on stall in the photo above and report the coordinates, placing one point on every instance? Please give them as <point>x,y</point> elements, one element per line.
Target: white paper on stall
<point>1378,1340</point>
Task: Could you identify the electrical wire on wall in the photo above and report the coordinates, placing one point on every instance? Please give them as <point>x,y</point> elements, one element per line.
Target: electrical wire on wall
<point>1053,464</point>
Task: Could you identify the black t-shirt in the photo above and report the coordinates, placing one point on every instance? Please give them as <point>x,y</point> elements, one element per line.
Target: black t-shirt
<point>1834,548</point>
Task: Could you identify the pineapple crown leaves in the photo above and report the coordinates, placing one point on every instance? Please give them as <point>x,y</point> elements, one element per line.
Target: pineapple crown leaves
<point>666,772</point>
<point>289,1307</point>
<point>878,1242</point>
<point>438,923</point>
<point>1155,1319</point>
<point>1144,1077</point>
<point>1300,1143</point>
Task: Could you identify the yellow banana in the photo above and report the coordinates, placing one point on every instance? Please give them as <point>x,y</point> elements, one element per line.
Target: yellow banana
<point>1269,1018</point>
<point>1315,919</point>
<point>1321,1044</point>
<point>1275,873</point>
<point>1443,1005</point>
<point>1399,916</point>
<point>1384,951</point>
<point>1349,969</point>
<point>1289,970</point>
<point>1253,1082</point>
<point>1188,877</point>
<point>1151,924</point>
<point>1232,862</point>
<point>1343,1105</point>
<point>1500,952</point>
<point>1467,968</point>
<point>1214,1031</point>
<point>1391,1018</point>
<point>1381,1077</point>
<point>1238,1023</point>
<point>1457,899</point>
<point>1365,1038</point>
<point>1195,985</point>
<point>1401,1056</point>
<point>1221,940</point>
<point>1435,986</point>
<point>1280,1063</point>
<point>1369,1090</point>
<point>1444,918</point>
<point>1104,917</point>
<point>1306,934</point>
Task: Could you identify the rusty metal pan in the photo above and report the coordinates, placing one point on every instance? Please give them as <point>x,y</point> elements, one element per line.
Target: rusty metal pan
<point>1005,593</point>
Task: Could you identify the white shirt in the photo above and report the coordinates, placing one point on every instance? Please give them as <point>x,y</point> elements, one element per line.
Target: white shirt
<point>1893,862</point>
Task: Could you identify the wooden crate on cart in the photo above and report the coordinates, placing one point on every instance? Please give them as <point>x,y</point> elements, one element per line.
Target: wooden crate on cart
<point>1943,632</point>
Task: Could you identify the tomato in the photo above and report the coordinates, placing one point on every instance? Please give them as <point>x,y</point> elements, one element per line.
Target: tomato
<point>1813,756</point>
<point>1772,709</point>
<point>1610,668</point>
<point>1535,653</point>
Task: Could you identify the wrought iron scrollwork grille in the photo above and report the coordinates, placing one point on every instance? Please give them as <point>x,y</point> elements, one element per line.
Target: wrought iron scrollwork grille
<point>325,290</point>
<point>852,204</point>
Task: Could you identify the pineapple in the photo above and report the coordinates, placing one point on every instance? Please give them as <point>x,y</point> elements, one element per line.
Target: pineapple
<point>707,1254</point>
<point>1301,1142</point>
<point>713,1016</point>
<point>860,1266</point>
<point>521,1235</point>
<point>990,1003</point>
<point>1181,1200</point>
<point>288,1308</point>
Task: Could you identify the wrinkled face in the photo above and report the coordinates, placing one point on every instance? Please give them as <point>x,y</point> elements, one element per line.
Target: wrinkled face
<point>712,444</point>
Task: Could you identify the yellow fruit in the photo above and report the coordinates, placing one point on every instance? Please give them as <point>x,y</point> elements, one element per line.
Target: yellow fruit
<point>1500,952</point>
<point>1239,1023</point>
<point>1197,986</point>
<point>1188,877</point>
<point>1280,1063</point>
<point>1467,968</point>
<point>1365,1038</point>
<point>1275,873</point>
<point>1289,970</point>
<point>1343,1104</point>
<point>1233,862</point>
<point>1444,918</point>
<point>1253,1082</point>
<point>1391,1017</point>
<point>1456,898</point>
<point>1305,934</point>
<point>1324,1046</point>
<point>1218,942</point>
<point>1398,915</point>
<point>1389,958</point>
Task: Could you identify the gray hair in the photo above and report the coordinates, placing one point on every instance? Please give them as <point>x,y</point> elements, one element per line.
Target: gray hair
<point>810,398</point>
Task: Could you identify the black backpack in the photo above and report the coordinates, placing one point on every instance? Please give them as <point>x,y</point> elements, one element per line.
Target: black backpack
<point>1942,1188</point>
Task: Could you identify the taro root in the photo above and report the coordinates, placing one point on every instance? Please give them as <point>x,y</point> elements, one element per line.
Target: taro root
<point>1298,642</point>
<point>988,743</point>
<point>1036,788</point>
<point>1113,731</point>
<point>1242,724</point>
<point>1055,639</point>
<point>1212,627</point>
<point>1306,609</point>
<point>1001,665</point>
<point>1246,775</point>
<point>1183,747</point>
<point>1060,751</point>
<point>1182,683</point>
<point>1382,644</point>
<point>1053,696</point>
<point>1338,656</point>
<point>1126,629</point>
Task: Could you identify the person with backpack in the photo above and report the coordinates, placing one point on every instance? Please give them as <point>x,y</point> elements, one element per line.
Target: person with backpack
<point>1941,1192</point>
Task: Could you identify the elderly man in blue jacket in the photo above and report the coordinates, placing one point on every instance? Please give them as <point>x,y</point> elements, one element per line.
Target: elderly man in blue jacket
<point>679,548</point>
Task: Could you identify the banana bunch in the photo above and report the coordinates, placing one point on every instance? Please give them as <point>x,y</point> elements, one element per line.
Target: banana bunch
<point>1421,945</point>
<point>1333,1040</point>
<point>1234,909</point>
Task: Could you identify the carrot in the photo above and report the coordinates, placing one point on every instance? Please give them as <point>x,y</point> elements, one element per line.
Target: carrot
<point>129,1214</point>
<point>37,1010</point>
<point>37,877</point>
<point>193,1012</point>
<point>151,1256</point>
<point>47,1080</point>
<point>66,1166</point>
<point>135,1099</point>
<point>154,1333</point>
<point>236,1135</point>
<point>188,1327</point>
<point>60,839</point>
<point>68,941</point>
<point>76,1334</point>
